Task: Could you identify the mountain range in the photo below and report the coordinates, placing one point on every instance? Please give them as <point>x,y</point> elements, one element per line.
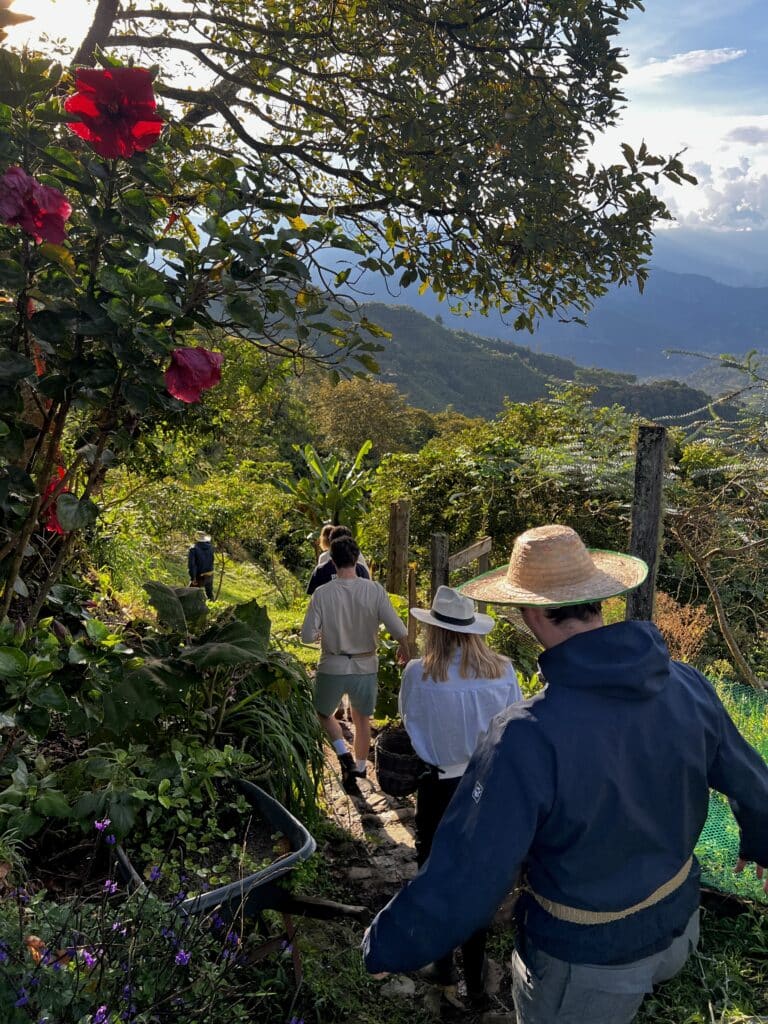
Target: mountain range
<point>626,331</point>
<point>435,366</point>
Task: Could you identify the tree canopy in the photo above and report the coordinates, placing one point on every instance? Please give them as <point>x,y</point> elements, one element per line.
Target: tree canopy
<point>451,141</point>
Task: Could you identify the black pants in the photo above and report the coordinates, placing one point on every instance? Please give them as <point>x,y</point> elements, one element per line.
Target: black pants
<point>206,582</point>
<point>432,799</point>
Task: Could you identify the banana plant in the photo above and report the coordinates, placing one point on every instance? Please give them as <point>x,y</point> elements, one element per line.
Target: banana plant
<point>333,490</point>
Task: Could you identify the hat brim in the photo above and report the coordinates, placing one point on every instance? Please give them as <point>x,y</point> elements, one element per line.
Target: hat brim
<point>614,574</point>
<point>482,625</point>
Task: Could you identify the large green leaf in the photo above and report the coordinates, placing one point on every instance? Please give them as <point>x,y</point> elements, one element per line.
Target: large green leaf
<point>234,644</point>
<point>52,804</point>
<point>193,603</point>
<point>255,615</point>
<point>166,603</point>
<point>74,513</point>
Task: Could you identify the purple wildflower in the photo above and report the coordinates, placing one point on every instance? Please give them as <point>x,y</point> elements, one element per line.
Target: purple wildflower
<point>110,887</point>
<point>155,873</point>
<point>89,959</point>
<point>110,840</point>
<point>102,825</point>
<point>182,958</point>
<point>232,938</point>
<point>23,998</point>
<point>168,933</point>
<point>101,1016</point>
<point>217,921</point>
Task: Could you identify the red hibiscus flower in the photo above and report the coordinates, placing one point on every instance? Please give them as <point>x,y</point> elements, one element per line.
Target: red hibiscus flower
<point>115,110</point>
<point>192,371</point>
<point>37,209</point>
<point>49,519</point>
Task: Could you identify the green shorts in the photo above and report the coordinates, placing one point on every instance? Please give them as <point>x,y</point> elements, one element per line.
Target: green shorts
<point>329,690</point>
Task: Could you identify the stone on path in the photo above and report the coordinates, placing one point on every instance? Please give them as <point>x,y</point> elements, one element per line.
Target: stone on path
<point>399,987</point>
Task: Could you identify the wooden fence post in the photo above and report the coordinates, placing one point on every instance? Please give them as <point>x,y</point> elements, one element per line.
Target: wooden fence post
<point>647,515</point>
<point>483,565</point>
<point>397,552</point>
<point>438,562</point>
<point>412,603</point>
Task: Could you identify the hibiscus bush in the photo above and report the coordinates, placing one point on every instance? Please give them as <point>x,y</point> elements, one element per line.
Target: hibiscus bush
<point>129,241</point>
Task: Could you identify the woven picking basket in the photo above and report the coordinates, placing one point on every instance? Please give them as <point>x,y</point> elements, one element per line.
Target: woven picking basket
<point>398,767</point>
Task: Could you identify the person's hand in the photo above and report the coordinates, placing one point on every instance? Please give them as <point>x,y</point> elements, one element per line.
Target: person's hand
<point>380,976</point>
<point>760,870</point>
<point>403,653</point>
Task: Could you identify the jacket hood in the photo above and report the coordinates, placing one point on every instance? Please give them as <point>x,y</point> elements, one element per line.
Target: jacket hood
<point>628,660</point>
<point>204,545</point>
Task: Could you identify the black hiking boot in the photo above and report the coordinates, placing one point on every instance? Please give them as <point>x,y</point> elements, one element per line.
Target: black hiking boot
<point>349,775</point>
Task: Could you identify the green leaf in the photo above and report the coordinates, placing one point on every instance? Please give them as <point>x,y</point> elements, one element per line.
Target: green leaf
<point>193,603</point>
<point>51,697</point>
<point>233,644</point>
<point>52,804</point>
<point>256,616</point>
<point>74,513</point>
<point>166,603</point>
<point>14,366</point>
<point>13,663</point>
<point>96,630</point>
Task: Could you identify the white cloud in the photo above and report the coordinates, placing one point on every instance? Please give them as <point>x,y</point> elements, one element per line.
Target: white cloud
<point>751,134</point>
<point>702,171</point>
<point>693,62</point>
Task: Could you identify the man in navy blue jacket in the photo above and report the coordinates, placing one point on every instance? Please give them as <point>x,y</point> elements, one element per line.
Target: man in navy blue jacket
<point>200,564</point>
<point>597,789</point>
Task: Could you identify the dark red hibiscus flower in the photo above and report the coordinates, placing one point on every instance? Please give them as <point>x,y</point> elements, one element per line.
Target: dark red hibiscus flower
<point>192,371</point>
<point>115,110</point>
<point>49,519</point>
<point>38,209</point>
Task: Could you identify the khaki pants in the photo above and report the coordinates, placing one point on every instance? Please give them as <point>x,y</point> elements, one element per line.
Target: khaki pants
<point>551,991</point>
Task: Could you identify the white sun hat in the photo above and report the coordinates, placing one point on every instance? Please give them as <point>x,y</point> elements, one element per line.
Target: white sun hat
<point>452,610</point>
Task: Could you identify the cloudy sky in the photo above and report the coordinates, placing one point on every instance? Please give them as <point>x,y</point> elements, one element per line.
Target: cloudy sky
<point>698,81</point>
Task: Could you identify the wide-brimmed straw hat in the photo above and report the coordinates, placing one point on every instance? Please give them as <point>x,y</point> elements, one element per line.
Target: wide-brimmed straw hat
<point>202,535</point>
<point>551,567</point>
<point>451,610</point>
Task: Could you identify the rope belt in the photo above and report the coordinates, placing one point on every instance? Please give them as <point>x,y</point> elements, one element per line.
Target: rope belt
<point>576,916</point>
<point>343,654</point>
<point>206,573</point>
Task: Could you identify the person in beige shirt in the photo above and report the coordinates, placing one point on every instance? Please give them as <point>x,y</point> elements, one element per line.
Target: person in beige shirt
<point>345,615</point>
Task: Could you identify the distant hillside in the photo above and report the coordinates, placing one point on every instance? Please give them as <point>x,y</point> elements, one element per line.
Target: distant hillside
<point>435,367</point>
<point>627,331</point>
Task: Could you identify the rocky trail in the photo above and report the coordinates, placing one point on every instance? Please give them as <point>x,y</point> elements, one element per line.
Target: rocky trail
<point>372,861</point>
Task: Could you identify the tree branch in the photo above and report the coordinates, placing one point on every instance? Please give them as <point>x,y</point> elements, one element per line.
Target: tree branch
<point>106,14</point>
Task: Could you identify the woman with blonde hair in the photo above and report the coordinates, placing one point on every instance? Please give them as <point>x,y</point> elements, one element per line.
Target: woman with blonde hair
<point>447,700</point>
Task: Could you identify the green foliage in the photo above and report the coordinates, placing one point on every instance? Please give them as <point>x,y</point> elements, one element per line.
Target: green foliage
<point>88,326</point>
<point>558,460</point>
<point>333,491</point>
<point>443,141</point>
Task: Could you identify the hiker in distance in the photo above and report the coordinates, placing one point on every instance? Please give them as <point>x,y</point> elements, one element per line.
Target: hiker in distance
<point>200,563</point>
<point>447,700</point>
<point>598,788</point>
<point>345,614</point>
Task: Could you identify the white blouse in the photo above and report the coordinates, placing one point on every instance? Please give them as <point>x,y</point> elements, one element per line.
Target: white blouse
<point>446,720</point>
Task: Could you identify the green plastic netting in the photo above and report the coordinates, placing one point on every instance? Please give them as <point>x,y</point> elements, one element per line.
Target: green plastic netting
<point>718,847</point>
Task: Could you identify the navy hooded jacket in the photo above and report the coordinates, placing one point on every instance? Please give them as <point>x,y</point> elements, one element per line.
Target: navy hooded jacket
<point>200,559</point>
<point>598,788</point>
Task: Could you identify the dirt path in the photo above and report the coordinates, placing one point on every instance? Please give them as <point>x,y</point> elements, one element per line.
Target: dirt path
<point>378,861</point>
